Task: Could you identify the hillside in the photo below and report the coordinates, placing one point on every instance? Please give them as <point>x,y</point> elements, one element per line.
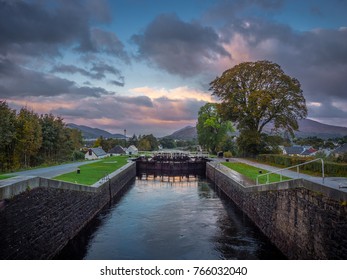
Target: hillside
<point>93,133</point>
<point>186,133</point>
<point>307,128</point>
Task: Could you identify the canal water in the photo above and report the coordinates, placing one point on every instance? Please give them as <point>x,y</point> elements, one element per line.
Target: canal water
<point>170,218</point>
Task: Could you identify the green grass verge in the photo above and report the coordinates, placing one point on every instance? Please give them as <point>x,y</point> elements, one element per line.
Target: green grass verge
<point>252,172</point>
<point>93,172</point>
<point>5,176</point>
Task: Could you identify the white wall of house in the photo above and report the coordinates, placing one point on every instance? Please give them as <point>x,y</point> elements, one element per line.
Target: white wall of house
<point>132,150</point>
<point>90,157</point>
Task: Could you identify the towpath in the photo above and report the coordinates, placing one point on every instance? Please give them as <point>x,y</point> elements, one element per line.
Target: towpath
<point>339,183</point>
<point>45,172</point>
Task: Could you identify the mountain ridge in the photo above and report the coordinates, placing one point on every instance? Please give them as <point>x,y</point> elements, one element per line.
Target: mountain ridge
<point>307,127</point>
<point>94,133</point>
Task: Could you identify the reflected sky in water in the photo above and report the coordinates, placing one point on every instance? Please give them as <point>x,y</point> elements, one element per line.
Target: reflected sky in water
<point>171,218</point>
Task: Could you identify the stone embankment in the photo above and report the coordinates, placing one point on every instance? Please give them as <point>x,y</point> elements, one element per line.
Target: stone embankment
<point>304,220</point>
<point>39,222</point>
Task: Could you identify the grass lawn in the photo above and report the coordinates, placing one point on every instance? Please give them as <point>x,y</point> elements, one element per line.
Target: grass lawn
<point>93,172</point>
<point>252,172</point>
<point>5,176</point>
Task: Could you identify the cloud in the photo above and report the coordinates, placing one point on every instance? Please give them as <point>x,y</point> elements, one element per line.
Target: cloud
<point>138,113</point>
<point>183,92</point>
<point>182,48</point>
<point>102,41</point>
<point>317,58</point>
<point>17,81</point>
<point>30,27</point>
<point>98,71</point>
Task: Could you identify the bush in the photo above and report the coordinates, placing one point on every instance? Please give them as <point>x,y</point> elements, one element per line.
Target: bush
<point>77,155</point>
<point>228,154</point>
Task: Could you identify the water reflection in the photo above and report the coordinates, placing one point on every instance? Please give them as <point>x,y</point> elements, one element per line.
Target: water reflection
<point>171,218</point>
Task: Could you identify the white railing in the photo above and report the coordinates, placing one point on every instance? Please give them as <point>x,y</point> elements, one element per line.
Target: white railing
<point>287,168</point>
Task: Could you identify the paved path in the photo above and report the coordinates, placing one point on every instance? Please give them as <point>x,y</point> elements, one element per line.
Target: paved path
<point>332,182</point>
<point>45,172</point>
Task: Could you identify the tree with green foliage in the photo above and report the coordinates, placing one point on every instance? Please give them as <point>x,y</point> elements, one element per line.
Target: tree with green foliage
<point>8,136</point>
<point>57,144</point>
<point>255,94</point>
<point>29,135</point>
<point>167,143</point>
<point>211,128</point>
<point>147,143</point>
<point>133,141</point>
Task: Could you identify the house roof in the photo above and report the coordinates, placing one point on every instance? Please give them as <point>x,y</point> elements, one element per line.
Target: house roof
<point>117,150</point>
<point>342,149</point>
<point>294,150</point>
<point>98,152</point>
<point>308,152</point>
<point>132,147</point>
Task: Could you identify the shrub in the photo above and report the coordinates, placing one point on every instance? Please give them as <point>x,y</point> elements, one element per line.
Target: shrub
<point>228,154</point>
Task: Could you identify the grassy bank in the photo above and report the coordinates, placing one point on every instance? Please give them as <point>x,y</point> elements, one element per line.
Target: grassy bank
<point>93,172</point>
<point>252,172</point>
<point>5,176</point>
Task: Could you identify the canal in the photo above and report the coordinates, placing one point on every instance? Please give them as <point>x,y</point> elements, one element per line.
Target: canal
<point>180,218</point>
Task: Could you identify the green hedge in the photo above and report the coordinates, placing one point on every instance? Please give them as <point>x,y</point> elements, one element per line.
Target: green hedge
<point>331,168</point>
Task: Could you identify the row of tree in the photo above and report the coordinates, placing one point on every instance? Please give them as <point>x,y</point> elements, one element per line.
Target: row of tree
<point>142,142</point>
<point>27,139</point>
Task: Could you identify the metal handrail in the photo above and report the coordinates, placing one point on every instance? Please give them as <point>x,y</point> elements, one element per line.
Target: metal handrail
<point>297,170</point>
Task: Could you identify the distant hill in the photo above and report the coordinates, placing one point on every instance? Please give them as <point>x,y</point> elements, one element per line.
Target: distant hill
<point>93,133</point>
<point>307,128</point>
<point>186,133</point>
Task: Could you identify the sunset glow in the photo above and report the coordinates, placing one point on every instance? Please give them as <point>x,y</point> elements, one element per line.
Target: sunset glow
<point>145,66</point>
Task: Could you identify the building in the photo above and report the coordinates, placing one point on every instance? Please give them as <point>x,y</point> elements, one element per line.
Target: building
<point>303,151</point>
<point>95,153</point>
<point>132,150</point>
<point>340,150</point>
<point>117,150</point>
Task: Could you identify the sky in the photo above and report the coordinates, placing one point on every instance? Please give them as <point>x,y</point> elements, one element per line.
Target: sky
<point>145,65</point>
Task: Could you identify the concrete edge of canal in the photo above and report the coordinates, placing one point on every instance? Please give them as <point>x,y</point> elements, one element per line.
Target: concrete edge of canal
<point>303,219</point>
<point>37,224</point>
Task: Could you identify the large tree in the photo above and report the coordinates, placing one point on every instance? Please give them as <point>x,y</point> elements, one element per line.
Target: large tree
<point>254,94</point>
<point>211,128</point>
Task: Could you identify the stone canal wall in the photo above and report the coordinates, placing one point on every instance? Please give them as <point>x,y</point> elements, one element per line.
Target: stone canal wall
<point>38,223</point>
<point>304,220</point>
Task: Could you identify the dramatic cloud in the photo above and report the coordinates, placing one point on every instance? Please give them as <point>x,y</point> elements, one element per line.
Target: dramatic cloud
<point>17,81</point>
<point>30,27</point>
<point>98,71</point>
<point>179,47</point>
<point>67,57</point>
<point>317,58</point>
<point>36,34</point>
<point>154,112</point>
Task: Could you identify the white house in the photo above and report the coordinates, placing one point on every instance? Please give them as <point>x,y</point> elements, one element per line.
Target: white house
<point>95,153</point>
<point>132,150</point>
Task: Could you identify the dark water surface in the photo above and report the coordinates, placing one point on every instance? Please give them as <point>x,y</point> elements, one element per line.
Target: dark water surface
<point>171,218</point>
